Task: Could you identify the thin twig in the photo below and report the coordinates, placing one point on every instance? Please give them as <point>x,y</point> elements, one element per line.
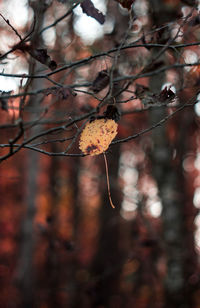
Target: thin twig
<point>60,18</point>
<point>9,24</point>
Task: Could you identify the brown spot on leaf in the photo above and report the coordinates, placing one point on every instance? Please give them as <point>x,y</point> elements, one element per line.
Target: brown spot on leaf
<point>90,148</point>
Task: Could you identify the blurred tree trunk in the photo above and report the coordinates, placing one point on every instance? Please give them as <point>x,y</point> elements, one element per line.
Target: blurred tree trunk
<point>169,181</point>
<point>52,268</point>
<point>25,273</point>
<point>74,266</point>
<point>178,227</point>
<point>169,178</point>
<point>62,271</point>
<point>106,266</point>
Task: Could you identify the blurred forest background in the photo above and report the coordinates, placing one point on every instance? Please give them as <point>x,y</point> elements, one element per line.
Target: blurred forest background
<point>63,63</point>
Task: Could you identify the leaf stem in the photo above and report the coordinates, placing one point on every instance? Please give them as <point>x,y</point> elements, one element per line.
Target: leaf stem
<point>108,182</point>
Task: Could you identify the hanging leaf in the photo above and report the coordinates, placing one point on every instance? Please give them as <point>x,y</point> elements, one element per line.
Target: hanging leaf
<point>165,97</point>
<point>42,56</point>
<point>126,3</point>
<point>89,9</point>
<point>112,112</point>
<point>4,101</point>
<point>101,81</point>
<point>97,136</point>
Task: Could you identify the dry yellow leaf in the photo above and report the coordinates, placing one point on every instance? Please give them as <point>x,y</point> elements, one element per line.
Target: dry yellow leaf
<point>97,136</point>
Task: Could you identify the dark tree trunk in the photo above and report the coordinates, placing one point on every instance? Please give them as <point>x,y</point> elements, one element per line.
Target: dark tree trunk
<point>107,263</point>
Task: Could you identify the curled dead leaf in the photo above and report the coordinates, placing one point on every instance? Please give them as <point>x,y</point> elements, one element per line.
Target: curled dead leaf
<point>101,81</point>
